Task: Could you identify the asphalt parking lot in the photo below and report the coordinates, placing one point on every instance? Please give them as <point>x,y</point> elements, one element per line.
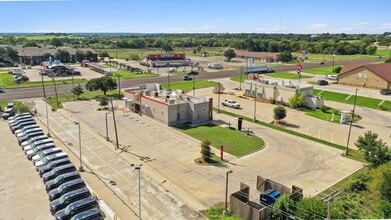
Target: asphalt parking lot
<point>168,160</point>
<point>22,192</point>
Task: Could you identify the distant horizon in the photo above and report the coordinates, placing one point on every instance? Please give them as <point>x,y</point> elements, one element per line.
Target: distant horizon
<point>196,16</point>
<point>140,33</point>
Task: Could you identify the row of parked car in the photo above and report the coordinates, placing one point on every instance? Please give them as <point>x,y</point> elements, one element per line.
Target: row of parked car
<point>68,194</point>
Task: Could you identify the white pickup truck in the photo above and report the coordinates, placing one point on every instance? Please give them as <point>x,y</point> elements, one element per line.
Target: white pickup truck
<point>231,103</point>
<point>332,77</point>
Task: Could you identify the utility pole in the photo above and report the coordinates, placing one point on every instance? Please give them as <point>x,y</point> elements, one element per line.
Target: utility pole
<point>225,212</point>
<point>115,126</point>
<point>55,90</point>
<point>351,121</point>
<point>218,100</point>
<point>255,104</point>
<point>119,82</point>
<point>240,79</point>
<point>330,200</point>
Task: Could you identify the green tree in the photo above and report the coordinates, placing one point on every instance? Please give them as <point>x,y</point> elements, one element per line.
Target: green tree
<point>80,56</point>
<point>296,100</point>
<point>216,88</point>
<point>229,54</point>
<point>285,56</point>
<point>337,69</point>
<point>381,183</point>
<point>63,56</point>
<point>56,42</point>
<point>376,152</point>
<point>77,91</point>
<point>283,207</point>
<point>104,84</point>
<point>103,54</point>
<point>371,50</point>
<point>311,208</point>
<point>279,113</point>
<point>167,47</point>
<point>205,151</point>
<point>22,107</point>
<point>90,56</point>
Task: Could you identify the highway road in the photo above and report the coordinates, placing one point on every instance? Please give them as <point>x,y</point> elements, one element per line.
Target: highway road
<point>36,92</point>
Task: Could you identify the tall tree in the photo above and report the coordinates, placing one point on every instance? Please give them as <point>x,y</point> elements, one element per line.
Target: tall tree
<point>104,84</point>
<point>283,208</point>
<point>229,54</point>
<point>77,91</point>
<point>285,56</point>
<point>63,56</point>
<point>376,152</point>
<point>311,208</point>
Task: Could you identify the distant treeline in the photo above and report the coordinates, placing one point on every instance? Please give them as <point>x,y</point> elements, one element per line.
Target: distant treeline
<point>342,44</point>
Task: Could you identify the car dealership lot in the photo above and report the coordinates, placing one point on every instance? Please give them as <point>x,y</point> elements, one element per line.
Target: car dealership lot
<point>22,193</point>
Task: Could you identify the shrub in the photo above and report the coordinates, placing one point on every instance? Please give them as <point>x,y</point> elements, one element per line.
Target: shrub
<point>205,151</point>
<point>324,108</point>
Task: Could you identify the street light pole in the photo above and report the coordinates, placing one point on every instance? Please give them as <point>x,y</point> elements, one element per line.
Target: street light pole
<point>81,163</point>
<point>55,90</point>
<point>255,104</point>
<point>225,212</point>
<point>351,121</point>
<point>107,128</point>
<point>138,168</point>
<point>218,100</point>
<point>194,86</point>
<point>240,79</point>
<point>333,62</point>
<point>119,82</point>
<point>44,97</point>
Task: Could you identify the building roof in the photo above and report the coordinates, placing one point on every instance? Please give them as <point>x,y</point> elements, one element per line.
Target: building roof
<point>381,70</point>
<point>257,55</point>
<point>40,51</point>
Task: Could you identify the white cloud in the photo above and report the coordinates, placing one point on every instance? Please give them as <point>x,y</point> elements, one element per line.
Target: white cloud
<point>271,29</point>
<point>360,24</point>
<point>174,30</point>
<point>206,27</point>
<point>317,26</point>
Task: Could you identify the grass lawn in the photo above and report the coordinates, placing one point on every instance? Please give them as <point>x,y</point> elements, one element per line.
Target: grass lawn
<point>130,75</point>
<point>187,86</point>
<point>235,142</point>
<point>320,70</point>
<point>328,58</point>
<point>87,95</point>
<point>7,82</point>
<point>237,78</point>
<point>361,101</point>
<point>286,75</point>
<point>327,115</point>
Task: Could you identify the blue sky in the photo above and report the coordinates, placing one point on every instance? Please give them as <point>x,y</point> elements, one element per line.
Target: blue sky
<point>197,16</point>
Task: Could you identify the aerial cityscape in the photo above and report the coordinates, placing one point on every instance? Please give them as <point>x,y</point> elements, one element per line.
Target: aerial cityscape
<point>195,109</point>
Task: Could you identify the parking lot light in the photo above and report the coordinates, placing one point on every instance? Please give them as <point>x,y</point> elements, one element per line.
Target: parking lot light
<point>225,212</point>
<point>138,167</point>
<point>81,164</point>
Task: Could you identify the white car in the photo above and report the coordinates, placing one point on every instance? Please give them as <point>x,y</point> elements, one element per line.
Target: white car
<point>231,103</point>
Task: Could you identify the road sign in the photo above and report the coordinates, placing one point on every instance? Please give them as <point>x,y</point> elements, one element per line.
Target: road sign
<point>250,60</point>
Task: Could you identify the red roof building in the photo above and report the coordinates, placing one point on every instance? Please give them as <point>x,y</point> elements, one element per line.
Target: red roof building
<point>377,76</point>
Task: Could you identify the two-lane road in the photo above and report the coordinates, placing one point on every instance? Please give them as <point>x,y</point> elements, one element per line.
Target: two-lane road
<point>36,92</point>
